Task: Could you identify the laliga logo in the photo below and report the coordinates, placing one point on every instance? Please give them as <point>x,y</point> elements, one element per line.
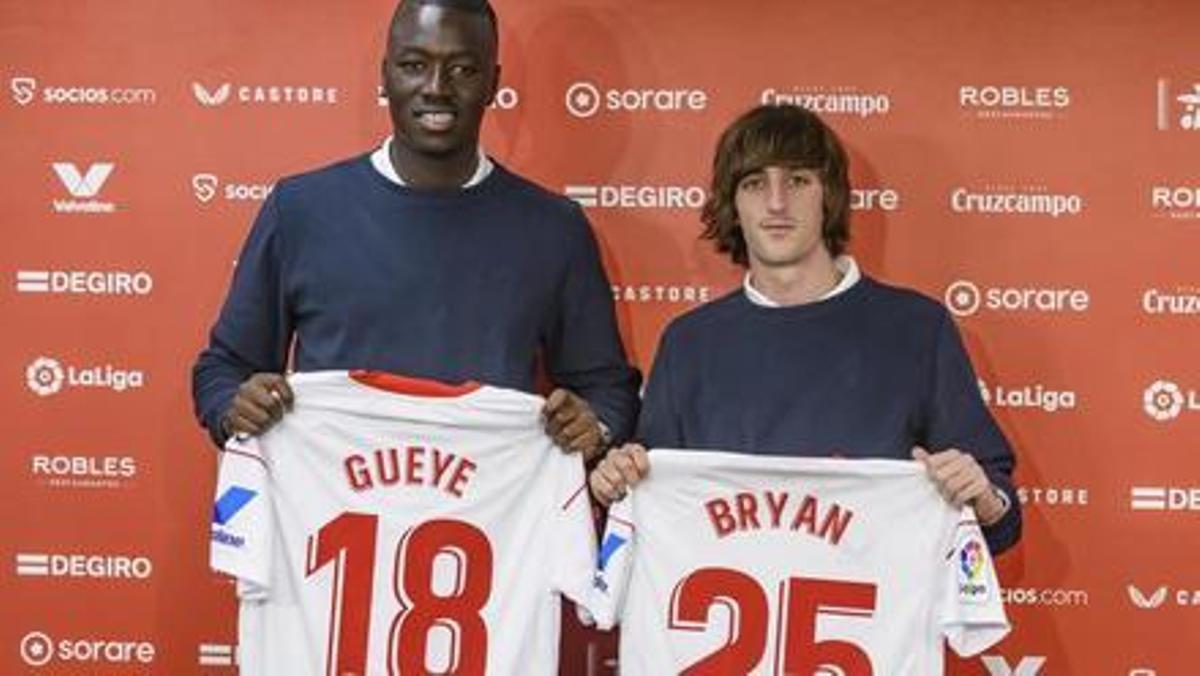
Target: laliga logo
<point>583,99</point>
<point>971,559</point>
<point>23,89</point>
<point>205,187</point>
<point>45,376</point>
<point>962,298</point>
<point>1163,400</point>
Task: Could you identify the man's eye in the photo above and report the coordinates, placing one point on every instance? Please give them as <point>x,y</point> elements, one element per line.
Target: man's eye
<point>751,184</point>
<point>462,70</point>
<point>410,67</point>
<point>801,180</point>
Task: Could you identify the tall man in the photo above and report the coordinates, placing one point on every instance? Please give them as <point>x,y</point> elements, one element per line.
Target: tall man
<point>425,257</point>
<point>810,357</point>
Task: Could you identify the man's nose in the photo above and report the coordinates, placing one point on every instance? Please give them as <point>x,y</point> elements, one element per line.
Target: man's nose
<point>776,193</point>
<point>436,83</point>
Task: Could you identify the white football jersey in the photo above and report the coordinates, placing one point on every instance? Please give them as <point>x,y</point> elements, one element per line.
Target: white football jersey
<point>722,563</point>
<point>394,526</point>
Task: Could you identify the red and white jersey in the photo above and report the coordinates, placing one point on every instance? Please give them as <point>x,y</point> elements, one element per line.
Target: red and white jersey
<point>394,526</point>
<point>721,563</point>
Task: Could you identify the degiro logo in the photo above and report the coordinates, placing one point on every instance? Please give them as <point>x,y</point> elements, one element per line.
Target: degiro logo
<point>964,298</point>
<point>584,99</point>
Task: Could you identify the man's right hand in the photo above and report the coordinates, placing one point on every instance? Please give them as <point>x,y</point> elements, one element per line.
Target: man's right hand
<point>620,469</point>
<point>260,402</point>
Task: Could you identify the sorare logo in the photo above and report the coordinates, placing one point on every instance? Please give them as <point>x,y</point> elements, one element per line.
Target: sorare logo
<point>585,99</point>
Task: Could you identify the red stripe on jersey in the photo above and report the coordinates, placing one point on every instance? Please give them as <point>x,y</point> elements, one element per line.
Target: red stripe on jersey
<point>578,491</point>
<point>252,456</point>
<point>419,387</point>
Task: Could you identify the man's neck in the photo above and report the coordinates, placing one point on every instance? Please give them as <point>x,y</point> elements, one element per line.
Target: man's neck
<point>795,284</point>
<point>423,171</point>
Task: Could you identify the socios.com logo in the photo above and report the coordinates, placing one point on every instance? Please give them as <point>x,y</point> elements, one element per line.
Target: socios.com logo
<point>23,89</point>
<point>1163,400</point>
<point>45,376</point>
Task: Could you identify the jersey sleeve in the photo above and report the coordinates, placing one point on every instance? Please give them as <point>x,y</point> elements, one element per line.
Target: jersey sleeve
<point>972,612</point>
<point>613,565</point>
<point>241,520</point>
<point>573,546</point>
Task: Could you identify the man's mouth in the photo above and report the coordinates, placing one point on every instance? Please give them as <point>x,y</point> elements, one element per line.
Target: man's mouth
<point>436,120</point>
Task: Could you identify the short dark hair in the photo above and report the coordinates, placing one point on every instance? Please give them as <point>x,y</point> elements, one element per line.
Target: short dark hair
<point>478,7</point>
<point>770,135</point>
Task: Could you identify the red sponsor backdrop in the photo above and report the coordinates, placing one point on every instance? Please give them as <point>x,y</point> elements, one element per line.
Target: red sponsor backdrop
<point>1032,164</point>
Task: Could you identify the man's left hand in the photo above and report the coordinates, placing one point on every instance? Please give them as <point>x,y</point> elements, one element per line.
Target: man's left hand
<point>961,480</point>
<point>572,424</point>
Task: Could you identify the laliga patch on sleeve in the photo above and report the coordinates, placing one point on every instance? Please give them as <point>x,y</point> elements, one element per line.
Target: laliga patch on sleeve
<point>975,581</point>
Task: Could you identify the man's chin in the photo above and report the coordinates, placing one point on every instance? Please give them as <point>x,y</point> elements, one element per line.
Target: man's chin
<point>436,147</point>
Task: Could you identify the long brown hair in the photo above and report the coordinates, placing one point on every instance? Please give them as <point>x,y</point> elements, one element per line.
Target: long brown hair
<point>769,135</point>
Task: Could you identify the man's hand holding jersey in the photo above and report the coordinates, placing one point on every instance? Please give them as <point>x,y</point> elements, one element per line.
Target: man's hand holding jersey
<point>961,480</point>
<point>620,469</point>
<point>260,402</point>
<point>573,425</point>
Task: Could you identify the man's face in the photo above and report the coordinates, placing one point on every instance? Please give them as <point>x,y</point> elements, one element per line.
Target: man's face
<point>439,74</point>
<point>780,211</point>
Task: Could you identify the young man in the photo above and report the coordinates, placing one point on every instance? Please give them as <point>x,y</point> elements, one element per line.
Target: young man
<point>425,258</point>
<point>811,357</point>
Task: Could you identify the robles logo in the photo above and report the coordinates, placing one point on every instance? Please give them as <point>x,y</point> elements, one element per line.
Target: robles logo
<point>84,471</point>
<point>964,298</point>
<point>205,188</point>
<point>38,649</point>
<point>1014,101</point>
<point>584,99</point>
<point>1180,202</point>
<point>46,376</point>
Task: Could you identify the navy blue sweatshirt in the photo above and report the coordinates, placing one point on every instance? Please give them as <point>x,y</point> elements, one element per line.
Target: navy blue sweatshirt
<point>350,270</point>
<point>868,373</point>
